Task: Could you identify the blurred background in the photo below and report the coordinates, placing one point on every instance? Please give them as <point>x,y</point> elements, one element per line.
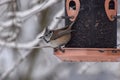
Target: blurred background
<point>41,64</point>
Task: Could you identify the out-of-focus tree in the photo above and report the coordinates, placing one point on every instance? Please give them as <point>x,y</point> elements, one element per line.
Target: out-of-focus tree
<point>22,22</point>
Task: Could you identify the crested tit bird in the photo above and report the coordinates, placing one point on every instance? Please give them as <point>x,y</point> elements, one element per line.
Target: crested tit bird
<point>58,38</point>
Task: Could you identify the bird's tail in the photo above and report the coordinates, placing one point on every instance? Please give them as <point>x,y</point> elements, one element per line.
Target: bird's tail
<point>71,24</point>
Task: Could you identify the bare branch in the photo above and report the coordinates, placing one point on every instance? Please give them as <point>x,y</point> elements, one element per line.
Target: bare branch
<point>29,45</point>
<point>56,21</point>
<point>22,16</point>
<point>36,41</point>
<point>2,2</point>
<point>86,66</point>
<point>33,11</point>
<point>19,61</point>
<point>20,45</point>
<point>16,22</point>
<point>6,24</point>
<point>118,16</point>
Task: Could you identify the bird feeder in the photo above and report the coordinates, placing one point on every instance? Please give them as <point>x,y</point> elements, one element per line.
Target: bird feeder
<point>95,35</point>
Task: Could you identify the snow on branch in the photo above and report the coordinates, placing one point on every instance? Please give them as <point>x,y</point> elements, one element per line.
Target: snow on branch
<point>29,45</point>
<point>2,2</point>
<point>86,66</point>
<point>20,17</point>
<point>18,62</point>
<point>6,24</point>
<point>56,21</point>
<point>23,15</point>
<point>20,45</point>
<point>36,41</point>
<point>9,23</point>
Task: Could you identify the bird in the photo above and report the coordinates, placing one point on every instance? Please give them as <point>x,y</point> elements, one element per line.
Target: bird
<point>59,37</point>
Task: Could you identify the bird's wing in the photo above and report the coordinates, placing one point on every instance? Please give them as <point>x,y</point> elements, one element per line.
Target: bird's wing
<point>61,32</point>
<point>56,36</point>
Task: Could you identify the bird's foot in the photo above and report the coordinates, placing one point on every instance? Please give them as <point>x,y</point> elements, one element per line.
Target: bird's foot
<point>55,49</point>
<point>60,49</point>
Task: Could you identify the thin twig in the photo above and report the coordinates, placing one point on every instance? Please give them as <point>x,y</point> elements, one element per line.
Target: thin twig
<point>1,49</point>
<point>19,61</point>
<point>2,2</point>
<point>24,15</point>
<point>55,21</point>
<point>36,40</point>
<point>85,67</point>
<point>20,17</point>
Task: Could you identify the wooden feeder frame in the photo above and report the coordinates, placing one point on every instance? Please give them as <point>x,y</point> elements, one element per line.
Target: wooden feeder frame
<point>90,54</point>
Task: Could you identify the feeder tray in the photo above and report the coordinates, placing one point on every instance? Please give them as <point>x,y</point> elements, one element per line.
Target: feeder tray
<point>95,38</point>
<point>89,54</point>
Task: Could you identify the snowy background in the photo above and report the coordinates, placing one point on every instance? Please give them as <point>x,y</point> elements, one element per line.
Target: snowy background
<point>41,64</point>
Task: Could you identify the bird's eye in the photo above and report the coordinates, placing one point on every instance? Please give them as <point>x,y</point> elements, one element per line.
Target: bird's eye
<point>48,33</point>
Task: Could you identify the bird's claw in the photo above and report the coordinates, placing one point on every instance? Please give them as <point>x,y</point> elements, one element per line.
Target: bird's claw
<point>60,49</point>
